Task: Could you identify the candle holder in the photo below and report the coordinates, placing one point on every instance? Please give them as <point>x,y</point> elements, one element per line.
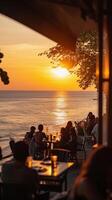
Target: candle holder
<point>54,159</point>
<point>29,161</point>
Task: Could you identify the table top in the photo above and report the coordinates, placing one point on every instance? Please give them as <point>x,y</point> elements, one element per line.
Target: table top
<point>44,168</point>
<point>61,168</point>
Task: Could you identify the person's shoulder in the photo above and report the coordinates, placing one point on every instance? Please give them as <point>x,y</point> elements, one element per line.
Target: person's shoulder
<point>84,183</point>
<point>87,189</point>
<point>79,189</point>
<point>27,134</point>
<point>8,166</point>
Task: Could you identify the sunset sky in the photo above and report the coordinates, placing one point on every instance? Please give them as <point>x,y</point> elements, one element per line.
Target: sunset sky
<point>28,71</point>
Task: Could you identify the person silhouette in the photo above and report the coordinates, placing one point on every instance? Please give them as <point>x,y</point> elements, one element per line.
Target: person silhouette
<point>17,176</point>
<point>29,135</point>
<point>95,179</point>
<point>41,142</point>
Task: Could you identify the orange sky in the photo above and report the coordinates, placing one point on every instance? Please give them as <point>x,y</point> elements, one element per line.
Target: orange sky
<point>28,71</point>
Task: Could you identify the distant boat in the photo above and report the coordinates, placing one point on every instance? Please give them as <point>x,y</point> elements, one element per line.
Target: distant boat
<point>95,99</point>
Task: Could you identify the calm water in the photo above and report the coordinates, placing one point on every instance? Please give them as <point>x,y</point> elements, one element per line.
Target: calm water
<point>21,109</point>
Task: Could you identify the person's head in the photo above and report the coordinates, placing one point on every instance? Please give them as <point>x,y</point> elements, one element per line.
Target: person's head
<point>69,124</point>
<point>98,166</point>
<point>81,124</point>
<point>32,129</point>
<point>90,114</point>
<point>40,127</point>
<point>62,130</point>
<point>20,151</point>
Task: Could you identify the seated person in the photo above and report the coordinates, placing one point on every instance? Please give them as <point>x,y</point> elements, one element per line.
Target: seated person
<point>72,137</point>
<point>90,122</point>
<point>69,139</point>
<point>95,179</point>
<point>15,173</point>
<point>90,116</point>
<point>80,128</point>
<point>41,141</point>
<point>94,132</point>
<point>64,141</point>
<point>29,135</point>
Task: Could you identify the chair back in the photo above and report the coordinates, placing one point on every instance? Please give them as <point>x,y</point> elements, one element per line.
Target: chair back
<point>80,140</point>
<point>63,154</point>
<point>81,145</point>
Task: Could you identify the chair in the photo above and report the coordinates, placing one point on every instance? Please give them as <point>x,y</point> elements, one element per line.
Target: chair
<point>89,141</point>
<point>64,155</point>
<point>81,146</point>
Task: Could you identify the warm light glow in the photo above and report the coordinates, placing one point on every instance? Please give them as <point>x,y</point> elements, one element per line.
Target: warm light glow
<point>60,72</point>
<point>28,71</point>
<point>60,113</point>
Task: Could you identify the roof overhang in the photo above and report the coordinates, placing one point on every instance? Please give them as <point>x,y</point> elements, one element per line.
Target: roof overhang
<point>58,21</point>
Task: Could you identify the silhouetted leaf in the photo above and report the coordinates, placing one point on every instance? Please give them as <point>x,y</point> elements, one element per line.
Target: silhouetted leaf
<point>3,74</point>
<point>81,61</point>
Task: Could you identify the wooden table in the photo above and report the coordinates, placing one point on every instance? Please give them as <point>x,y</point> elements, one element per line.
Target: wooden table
<point>53,179</point>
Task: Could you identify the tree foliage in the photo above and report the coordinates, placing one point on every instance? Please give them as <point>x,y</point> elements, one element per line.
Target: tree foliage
<point>81,61</point>
<point>3,74</point>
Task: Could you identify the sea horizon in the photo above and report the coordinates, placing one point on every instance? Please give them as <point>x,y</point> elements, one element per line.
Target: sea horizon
<point>44,90</point>
<point>24,108</point>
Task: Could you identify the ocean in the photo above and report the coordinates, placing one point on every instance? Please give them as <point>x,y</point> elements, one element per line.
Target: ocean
<point>21,109</point>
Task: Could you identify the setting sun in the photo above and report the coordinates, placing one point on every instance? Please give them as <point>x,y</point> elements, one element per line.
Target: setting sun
<point>60,72</point>
<point>24,66</point>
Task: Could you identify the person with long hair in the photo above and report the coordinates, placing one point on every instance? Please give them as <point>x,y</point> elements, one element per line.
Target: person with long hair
<point>71,136</point>
<point>95,179</point>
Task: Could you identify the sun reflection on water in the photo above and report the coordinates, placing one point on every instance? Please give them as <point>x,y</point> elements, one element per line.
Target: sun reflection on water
<point>60,111</point>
